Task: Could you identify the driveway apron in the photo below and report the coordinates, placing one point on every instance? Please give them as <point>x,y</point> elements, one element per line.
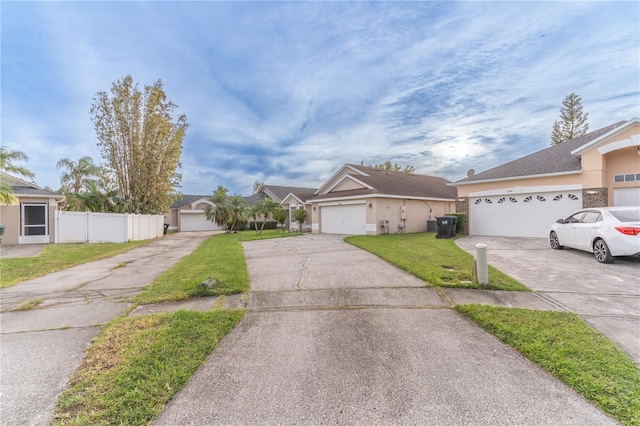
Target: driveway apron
<point>606,296</point>
<point>337,336</point>
<point>40,348</point>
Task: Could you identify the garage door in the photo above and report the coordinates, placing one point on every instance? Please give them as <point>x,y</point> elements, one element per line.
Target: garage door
<point>190,222</point>
<point>521,215</point>
<point>626,196</point>
<point>350,219</point>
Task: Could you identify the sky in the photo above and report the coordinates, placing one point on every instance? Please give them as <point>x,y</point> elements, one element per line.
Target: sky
<point>287,92</point>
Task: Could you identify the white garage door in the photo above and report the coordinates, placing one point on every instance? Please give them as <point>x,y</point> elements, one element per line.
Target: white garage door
<point>190,222</point>
<point>521,215</point>
<point>350,219</point>
<point>626,196</point>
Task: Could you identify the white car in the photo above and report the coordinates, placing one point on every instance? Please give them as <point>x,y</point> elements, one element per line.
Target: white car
<point>604,231</point>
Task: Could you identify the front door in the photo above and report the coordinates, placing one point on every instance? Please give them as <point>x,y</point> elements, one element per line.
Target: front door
<point>34,223</point>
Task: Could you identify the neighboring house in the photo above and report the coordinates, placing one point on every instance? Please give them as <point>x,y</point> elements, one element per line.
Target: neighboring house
<point>31,218</point>
<point>187,214</point>
<point>364,200</point>
<point>525,196</point>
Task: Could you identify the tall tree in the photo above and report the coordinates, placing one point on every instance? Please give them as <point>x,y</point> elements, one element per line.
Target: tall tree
<point>572,123</point>
<point>141,143</point>
<point>257,187</point>
<point>7,165</point>
<point>78,175</point>
<point>218,211</point>
<point>387,165</point>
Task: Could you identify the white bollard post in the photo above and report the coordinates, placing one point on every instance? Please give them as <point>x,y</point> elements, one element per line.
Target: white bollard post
<point>481,260</point>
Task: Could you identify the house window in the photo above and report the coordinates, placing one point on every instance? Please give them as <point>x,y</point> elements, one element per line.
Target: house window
<point>501,200</point>
<point>513,200</point>
<point>557,197</point>
<point>478,201</point>
<point>35,220</point>
<point>488,201</point>
<point>293,209</point>
<point>541,198</point>
<point>629,177</point>
<point>573,197</point>
<point>527,199</point>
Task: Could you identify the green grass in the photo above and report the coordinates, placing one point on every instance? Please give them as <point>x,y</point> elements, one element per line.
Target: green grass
<point>56,257</point>
<point>570,350</point>
<point>437,261</point>
<point>219,257</point>
<point>137,364</point>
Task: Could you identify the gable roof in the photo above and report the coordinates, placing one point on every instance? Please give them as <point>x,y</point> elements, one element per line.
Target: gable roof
<point>23,188</point>
<point>302,197</point>
<point>393,183</point>
<point>556,159</point>
<point>279,193</point>
<point>186,200</point>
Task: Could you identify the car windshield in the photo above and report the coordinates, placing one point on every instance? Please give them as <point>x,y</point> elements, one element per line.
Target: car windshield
<point>631,215</point>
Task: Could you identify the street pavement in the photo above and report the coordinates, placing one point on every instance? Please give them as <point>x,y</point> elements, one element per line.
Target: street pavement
<point>606,296</point>
<point>337,336</point>
<point>40,348</point>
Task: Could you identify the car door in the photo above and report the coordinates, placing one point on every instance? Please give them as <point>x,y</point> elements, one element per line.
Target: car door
<point>586,229</point>
<point>567,231</point>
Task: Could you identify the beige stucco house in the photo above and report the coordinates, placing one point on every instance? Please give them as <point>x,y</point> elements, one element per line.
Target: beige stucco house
<point>367,201</point>
<point>30,219</point>
<point>525,196</point>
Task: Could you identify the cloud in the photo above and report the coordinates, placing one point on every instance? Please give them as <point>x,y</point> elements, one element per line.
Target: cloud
<point>288,92</point>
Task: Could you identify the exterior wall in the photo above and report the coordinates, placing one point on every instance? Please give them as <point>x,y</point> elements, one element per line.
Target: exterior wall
<point>10,218</point>
<point>619,162</point>
<point>417,214</point>
<point>377,209</point>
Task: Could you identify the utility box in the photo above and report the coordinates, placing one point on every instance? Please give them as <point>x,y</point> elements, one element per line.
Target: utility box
<point>446,226</point>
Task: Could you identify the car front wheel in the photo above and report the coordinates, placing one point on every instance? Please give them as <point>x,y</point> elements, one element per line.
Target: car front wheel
<point>553,240</point>
<point>601,252</point>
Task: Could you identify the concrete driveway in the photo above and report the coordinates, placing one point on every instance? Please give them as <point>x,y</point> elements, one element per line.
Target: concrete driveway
<point>607,296</point>
<point>338,336</point>
<point>40,348</point>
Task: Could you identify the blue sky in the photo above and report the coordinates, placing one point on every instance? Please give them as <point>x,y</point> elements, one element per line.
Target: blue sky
<point>287,92</point>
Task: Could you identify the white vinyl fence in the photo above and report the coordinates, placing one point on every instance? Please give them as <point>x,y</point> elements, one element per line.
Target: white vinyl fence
<point>89,227</point>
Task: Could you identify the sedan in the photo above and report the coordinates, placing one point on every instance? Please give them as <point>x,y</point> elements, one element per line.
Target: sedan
<point>605,231</point>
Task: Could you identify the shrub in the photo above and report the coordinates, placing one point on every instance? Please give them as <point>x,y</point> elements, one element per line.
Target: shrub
<point>460,223</point>
<point>269,225</point>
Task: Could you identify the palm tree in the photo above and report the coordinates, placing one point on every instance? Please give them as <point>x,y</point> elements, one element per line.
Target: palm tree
<point>280,215</point>
<point>6,165</point>
<point>78,175</point>
<point>236,207</point>
<point>253,212</point>
<point>268,207</point>
<point>218,211</point>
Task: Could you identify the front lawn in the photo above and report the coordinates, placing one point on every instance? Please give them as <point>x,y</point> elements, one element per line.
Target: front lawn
<point>437,261</point>
<point>138,364</point>
<point>56,257</point>
<point>219,258</point>
<point>565,346</point>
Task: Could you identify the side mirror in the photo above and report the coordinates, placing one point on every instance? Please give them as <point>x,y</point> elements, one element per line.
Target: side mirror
<point>560,221</point>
